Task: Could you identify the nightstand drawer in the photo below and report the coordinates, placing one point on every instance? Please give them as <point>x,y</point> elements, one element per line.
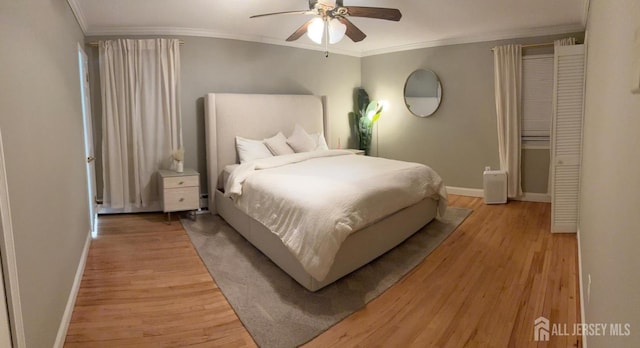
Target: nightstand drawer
<point>185,198</point>
<point>181,181</point>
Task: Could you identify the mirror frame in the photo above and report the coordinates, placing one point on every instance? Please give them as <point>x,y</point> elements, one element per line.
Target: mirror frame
<point>404,93</point>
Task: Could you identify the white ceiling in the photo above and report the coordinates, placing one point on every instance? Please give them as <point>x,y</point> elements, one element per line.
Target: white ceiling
<point>424,23</point>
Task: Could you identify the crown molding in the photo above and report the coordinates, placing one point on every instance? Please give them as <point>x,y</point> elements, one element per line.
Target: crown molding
<point>107,31</point>
<point>517,34</point>
<point>77,12</point>
<point>197,32</point>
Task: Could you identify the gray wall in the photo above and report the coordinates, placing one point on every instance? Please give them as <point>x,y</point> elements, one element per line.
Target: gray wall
<point>460,139</point>
<point>219,65</point>
<point>535,170</point>
<point>610,191</point>
<point>41,123</point>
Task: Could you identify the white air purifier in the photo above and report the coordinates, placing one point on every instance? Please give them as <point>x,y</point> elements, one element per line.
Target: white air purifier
<point>495,186</point>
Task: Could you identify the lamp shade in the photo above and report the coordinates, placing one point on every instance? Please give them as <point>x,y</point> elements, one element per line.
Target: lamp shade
<point>336,31</point>
<point>315,30</point>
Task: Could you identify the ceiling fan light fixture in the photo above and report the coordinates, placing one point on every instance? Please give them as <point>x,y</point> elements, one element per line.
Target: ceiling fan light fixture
<point>337,30</point>
<point>315,30</point>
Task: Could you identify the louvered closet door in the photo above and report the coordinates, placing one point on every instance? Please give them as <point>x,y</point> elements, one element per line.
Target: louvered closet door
<point>566,139</point>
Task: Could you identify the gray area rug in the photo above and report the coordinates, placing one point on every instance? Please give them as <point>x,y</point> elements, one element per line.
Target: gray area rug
<point>275,309</point>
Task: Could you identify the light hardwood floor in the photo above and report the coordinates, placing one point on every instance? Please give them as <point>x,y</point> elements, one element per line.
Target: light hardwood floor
<point>144,285</point>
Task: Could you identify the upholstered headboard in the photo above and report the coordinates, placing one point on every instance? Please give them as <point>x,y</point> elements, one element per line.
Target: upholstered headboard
<point>252,116</point>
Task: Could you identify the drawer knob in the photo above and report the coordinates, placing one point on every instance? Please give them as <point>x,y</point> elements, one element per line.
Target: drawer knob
<point>181,200</point>
<point>181,182</point>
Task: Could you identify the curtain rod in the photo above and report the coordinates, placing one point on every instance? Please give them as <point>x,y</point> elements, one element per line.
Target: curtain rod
<point>535,45</point>
<point>95,43</point>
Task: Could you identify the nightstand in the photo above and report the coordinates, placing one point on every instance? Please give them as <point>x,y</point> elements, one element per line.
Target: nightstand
<point>179,191</point>
<point>356,151</point>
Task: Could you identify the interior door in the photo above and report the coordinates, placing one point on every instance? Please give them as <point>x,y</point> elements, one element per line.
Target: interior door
<point>5,329</point>
<point>566,139</point>
<point>88,139</point>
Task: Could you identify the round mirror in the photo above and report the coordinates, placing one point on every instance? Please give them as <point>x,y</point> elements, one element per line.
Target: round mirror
<point>422,93</point>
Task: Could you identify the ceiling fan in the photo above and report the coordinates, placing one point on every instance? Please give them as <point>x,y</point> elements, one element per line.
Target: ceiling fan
<point>331,21</point>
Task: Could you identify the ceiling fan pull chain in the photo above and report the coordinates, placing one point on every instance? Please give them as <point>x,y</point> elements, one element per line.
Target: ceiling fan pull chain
<point>326,37</point>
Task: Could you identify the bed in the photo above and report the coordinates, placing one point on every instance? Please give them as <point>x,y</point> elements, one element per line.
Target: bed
<point>257,116</point>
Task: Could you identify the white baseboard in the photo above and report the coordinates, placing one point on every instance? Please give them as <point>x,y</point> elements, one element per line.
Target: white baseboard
<point>151,208</point>
<point>582,299</point>
<point>472,192</point>
<point>463,191</point>
<point>71,302</point>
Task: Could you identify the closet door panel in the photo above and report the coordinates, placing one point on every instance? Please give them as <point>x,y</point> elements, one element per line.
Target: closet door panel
<point>566,137</point>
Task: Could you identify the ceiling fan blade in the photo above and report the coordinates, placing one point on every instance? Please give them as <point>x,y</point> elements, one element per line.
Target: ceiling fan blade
<point>355,34</point>
<point>299,32</point>
<point>391,14</point>
<point>285,12</point>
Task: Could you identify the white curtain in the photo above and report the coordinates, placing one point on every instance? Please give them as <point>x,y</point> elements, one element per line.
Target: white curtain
<point>508,90</point>
<point>567,41</point>
<point>141,121</point>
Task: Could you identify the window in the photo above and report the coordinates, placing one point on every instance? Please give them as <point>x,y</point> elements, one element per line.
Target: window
<point>537,93</point>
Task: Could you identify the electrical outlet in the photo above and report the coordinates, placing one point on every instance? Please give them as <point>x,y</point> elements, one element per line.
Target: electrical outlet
<point>588,288</point>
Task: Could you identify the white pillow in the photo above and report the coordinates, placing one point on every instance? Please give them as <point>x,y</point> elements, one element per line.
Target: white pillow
<point>300,141</point>
<point>278,145</point>
<point>320,141</point>
<point>250,150</point>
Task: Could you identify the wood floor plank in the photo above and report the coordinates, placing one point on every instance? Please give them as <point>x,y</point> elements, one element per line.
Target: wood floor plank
<point>145,286</point>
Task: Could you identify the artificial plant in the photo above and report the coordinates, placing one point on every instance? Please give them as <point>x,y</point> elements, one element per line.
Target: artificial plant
<point>366,113</point>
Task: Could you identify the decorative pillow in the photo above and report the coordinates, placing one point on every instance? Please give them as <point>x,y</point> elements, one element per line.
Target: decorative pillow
<point>300,141</point>
<point>251,150</point>
<point>320,141</point>
<point>278,145</point>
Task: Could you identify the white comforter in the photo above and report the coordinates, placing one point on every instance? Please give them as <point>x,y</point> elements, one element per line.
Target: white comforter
<point>314,200</point>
